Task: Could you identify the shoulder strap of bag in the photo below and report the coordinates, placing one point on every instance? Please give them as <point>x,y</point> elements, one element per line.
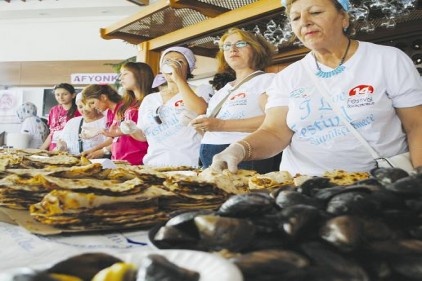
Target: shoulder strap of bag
<point>322,88</point>
<point>80,142</point>
<point>220,104</point>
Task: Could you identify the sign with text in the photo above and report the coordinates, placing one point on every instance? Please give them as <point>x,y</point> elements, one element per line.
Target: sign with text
<point>10,101</point>
<point>93,78</point>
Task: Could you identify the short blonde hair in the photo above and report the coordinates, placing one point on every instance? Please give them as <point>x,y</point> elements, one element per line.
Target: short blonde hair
<point>262,50</point>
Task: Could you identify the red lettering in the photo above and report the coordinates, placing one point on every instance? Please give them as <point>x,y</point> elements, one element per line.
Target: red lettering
<point>361,90</point>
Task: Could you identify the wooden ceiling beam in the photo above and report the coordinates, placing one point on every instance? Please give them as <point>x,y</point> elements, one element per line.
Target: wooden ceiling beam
<point>206,9</point>
<point>139,2</point>
<point>106,32</point>
<point>207,27</point>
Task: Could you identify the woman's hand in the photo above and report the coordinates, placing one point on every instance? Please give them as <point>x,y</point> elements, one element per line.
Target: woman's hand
<point>94,154</point>
<point>176,73</point>
<point>229,158</point>
<point>128,127</point>
<point>113,131</point>
<point>206,124</point>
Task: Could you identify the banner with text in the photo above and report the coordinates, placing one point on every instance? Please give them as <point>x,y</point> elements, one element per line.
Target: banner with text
<point>93,78</point>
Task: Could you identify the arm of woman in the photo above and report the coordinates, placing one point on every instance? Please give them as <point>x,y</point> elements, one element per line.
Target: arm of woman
<point>46,143</point>
<point>411,118</point>
<point>233,125</point>
<point>272,137</point>
<point>97,152</point>
<point>129,125</point>
<point>192,101</point>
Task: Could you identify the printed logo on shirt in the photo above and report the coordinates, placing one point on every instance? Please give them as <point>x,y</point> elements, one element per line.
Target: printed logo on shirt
<point>300,93</point>
<point>360,96</point>
<point>238,99</point>
<point>178,103</point>
<point>238,96</point>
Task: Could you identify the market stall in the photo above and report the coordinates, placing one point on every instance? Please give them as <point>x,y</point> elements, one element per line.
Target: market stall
<point>363,226</point>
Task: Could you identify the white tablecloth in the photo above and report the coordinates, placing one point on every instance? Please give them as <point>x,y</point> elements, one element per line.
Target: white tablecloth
<point>20,248</point>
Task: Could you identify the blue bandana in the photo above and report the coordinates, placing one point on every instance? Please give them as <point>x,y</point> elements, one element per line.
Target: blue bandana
<point>344,3</point>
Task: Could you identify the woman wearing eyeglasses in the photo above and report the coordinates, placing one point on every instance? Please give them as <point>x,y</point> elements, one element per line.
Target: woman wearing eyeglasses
<point>340,103</point>
<point>237,109</point>
<point>161,114</point>
<point>59,114</point>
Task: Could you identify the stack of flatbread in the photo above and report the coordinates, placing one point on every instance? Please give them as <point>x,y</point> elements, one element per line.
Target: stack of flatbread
<point>73,194</point>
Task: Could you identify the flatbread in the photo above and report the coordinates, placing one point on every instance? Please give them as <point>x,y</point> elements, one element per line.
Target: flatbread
<point>231,183</point>
<point>341,177</point>
<point>270,180</point>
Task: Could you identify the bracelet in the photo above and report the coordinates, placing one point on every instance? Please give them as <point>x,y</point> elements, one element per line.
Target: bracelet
<point>248,149</point>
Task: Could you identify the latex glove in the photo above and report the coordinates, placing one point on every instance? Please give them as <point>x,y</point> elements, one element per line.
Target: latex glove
<point>229,158</point>
<point>128,127</point>
<point>187,116</point>
<point>89,132</point>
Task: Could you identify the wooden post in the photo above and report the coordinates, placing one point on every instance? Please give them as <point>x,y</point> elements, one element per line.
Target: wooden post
<point>151,57</point>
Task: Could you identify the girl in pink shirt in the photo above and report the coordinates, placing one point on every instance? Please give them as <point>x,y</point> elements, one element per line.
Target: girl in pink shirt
<point>136,79</point>
<point>59,114</point>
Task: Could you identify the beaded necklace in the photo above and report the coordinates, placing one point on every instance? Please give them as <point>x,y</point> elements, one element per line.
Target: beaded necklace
<point>339,69</point>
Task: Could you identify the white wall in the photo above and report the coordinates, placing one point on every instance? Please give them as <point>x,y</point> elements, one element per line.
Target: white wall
<point>34,95</point>
<point>61,37</point>
<point>61,40</point>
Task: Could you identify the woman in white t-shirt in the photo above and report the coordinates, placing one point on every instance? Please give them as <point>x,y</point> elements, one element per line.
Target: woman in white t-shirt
<point>162,115</point>
<point>83,132</point>
<point>237,109</point>
<point>377,88</point>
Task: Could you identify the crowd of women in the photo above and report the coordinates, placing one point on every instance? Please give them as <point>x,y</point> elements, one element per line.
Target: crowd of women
<point>333,109</point>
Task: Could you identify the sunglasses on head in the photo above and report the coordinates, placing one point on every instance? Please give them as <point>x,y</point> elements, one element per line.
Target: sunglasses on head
<point>157,117</point>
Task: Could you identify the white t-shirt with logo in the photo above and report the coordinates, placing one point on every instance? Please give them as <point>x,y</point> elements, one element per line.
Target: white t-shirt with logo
<point>170,143</point>
<point>376,80</point>
<point>242,103</point>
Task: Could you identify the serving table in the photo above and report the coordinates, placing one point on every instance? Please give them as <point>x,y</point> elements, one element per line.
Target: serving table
<point>21,248</point>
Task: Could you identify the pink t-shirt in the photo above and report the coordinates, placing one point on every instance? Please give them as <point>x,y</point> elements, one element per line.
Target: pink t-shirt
<point>57,118</point>
<point>125,147</point>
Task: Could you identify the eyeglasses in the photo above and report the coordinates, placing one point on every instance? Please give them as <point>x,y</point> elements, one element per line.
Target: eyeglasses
<point>238,45</point>
<point>157,117</point>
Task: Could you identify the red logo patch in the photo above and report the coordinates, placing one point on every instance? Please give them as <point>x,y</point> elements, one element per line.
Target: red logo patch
<point>178,103</point>
<point>240,95</point>
<point>361,90</point>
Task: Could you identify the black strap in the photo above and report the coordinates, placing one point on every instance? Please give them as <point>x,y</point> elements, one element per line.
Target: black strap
<point>81,144</point>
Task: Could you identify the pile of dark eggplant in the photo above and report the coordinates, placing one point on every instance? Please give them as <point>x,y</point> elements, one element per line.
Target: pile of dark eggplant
<point>371,230</point>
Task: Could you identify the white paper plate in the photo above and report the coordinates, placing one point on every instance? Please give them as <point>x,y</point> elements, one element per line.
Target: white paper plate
<point>210,266</point>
